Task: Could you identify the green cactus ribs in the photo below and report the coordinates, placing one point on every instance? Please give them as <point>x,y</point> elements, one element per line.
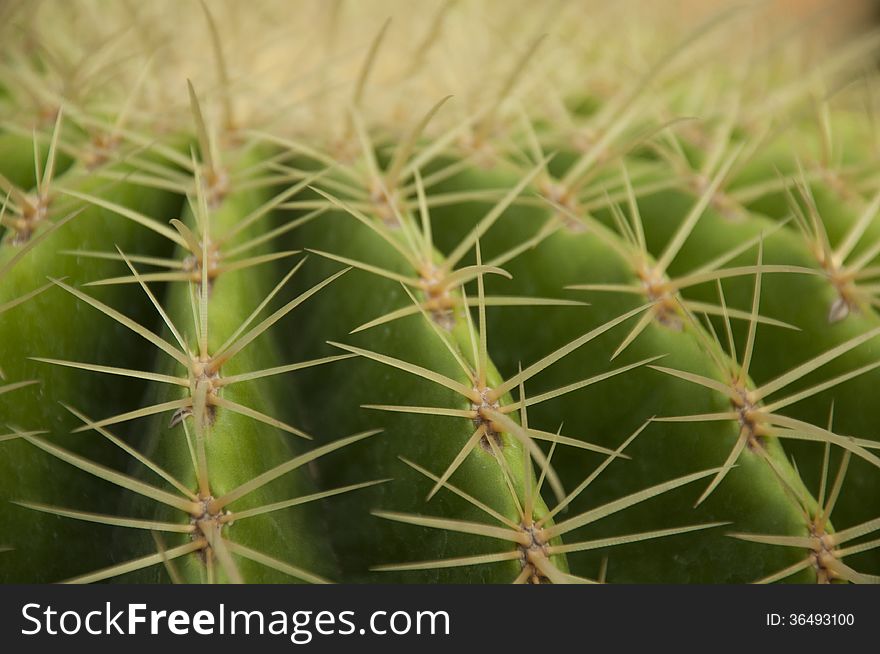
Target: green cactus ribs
<point>365,293</point>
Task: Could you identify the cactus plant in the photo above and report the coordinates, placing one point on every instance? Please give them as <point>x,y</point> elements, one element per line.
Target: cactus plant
<point>460,303</point>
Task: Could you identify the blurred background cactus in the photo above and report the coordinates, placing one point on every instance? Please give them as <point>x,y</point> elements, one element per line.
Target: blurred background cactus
<point>439,292</point>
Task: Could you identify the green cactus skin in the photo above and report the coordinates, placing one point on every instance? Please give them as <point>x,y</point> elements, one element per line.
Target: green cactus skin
<point>41,327</point>
<point>18,163</point>
<point>752,491</point>
<point>670,259</point>
<point>237,447</point>
<point>432,442</point>
<point>779,351</point>
<point>237,440</point>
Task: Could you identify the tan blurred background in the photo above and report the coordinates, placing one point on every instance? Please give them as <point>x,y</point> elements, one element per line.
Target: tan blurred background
<point>833,19</point>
